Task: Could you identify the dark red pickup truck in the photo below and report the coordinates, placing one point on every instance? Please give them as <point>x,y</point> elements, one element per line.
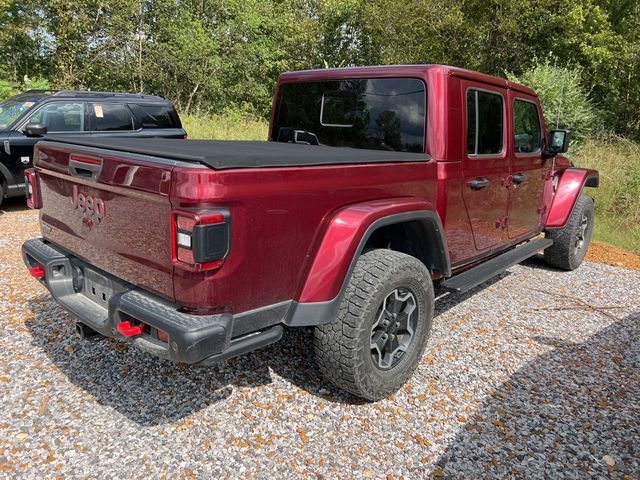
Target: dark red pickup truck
<point>377,184</point>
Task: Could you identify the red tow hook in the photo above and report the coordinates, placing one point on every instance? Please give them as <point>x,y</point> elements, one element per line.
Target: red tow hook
<point>37,272</point>
<point>128,330</point>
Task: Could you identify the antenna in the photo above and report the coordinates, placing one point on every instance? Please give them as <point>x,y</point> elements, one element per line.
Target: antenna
<point>560,106</point>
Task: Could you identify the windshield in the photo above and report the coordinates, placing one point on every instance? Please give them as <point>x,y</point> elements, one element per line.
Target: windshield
<point>380,114</point>
<point>10,110</point>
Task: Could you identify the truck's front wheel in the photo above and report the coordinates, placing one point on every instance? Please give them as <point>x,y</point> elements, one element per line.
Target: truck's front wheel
<point>383,324</point>
<point>570,243</point>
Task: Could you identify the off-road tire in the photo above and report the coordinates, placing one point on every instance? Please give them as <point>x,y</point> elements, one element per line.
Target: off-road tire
<point>343,347</point>
<point>570,244</point>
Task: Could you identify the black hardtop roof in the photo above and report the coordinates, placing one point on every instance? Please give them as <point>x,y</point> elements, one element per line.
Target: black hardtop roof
<point>224,154</point>
<point>382,71</point>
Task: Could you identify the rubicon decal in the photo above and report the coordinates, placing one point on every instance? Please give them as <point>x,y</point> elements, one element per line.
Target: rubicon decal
<point>92,206</point>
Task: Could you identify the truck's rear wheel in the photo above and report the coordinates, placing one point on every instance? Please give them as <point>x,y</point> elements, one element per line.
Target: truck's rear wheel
<point>383,324</point>
<point>570,243</point>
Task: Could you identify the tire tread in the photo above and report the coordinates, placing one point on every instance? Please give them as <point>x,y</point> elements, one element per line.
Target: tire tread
<point>336,344</point>
<point>560,254</point>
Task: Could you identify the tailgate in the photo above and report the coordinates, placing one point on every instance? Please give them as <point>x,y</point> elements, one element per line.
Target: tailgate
<point>109,208</point>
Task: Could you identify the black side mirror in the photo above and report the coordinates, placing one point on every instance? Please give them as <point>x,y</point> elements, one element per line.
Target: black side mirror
<point>559,141</point>
<point>35,130</point>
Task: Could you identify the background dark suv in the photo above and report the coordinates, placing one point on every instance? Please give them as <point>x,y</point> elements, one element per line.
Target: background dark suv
<point>25,118</point>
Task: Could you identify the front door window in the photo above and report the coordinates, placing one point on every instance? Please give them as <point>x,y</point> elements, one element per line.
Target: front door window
<point>526,127</point>
<point>60,117</point>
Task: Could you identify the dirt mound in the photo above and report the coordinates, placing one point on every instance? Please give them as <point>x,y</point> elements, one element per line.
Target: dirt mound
<point>605,253</point>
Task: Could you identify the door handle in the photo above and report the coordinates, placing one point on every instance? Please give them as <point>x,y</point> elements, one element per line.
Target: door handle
<point>84,167</point>
<point>519,178</point>
<point>478,184</point>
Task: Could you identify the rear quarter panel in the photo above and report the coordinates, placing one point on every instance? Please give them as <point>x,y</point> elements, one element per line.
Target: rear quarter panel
<point>278,216</point>
<point>332,260</point>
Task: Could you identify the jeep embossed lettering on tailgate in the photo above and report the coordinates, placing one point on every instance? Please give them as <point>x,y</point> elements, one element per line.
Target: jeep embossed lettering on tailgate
<point>117,221</point>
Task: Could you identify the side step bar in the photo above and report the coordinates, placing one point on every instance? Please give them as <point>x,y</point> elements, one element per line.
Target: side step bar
<point>465,281</point>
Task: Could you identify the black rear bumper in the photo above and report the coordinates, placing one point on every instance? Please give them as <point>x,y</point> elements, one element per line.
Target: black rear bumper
<point>191,338</point>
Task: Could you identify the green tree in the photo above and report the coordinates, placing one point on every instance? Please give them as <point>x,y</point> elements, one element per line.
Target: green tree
<point>564,100</point>
<point>86,40</point>
<point>182,60</point>
<point>211,55</point>
<point>600,37</point>
<point>20,38</point>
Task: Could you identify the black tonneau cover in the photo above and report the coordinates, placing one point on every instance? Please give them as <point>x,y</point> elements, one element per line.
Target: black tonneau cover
<point>222,155</point>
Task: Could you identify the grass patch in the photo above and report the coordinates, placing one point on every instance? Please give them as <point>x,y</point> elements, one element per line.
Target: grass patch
<point>618,197</point>
<point>616,232</point>
<point>232,126</point>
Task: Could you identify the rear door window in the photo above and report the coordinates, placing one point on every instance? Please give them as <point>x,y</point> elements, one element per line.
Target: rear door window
<point>108,117</point>
<point>60,117</point>
<point>526,127</point>
<point>485,122</point>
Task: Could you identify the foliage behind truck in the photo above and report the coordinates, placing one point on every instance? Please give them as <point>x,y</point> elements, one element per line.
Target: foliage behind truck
<point>377,184</point>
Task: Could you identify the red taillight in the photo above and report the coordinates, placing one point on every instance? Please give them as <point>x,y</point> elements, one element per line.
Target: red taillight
<point>210,218</point>
<point>211,265</point>
<point>185,255</point>
<point>199,240</point>
<point>37,271</point>
<point>32,186</point>
<point>185,223</point>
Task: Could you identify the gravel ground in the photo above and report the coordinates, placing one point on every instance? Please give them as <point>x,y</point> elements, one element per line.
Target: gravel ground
<point>533,375</point>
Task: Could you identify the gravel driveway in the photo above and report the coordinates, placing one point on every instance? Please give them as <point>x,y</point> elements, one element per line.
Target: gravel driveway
<point>533,375</point>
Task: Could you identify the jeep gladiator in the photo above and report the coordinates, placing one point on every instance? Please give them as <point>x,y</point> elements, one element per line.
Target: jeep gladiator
<point>377,184</point>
